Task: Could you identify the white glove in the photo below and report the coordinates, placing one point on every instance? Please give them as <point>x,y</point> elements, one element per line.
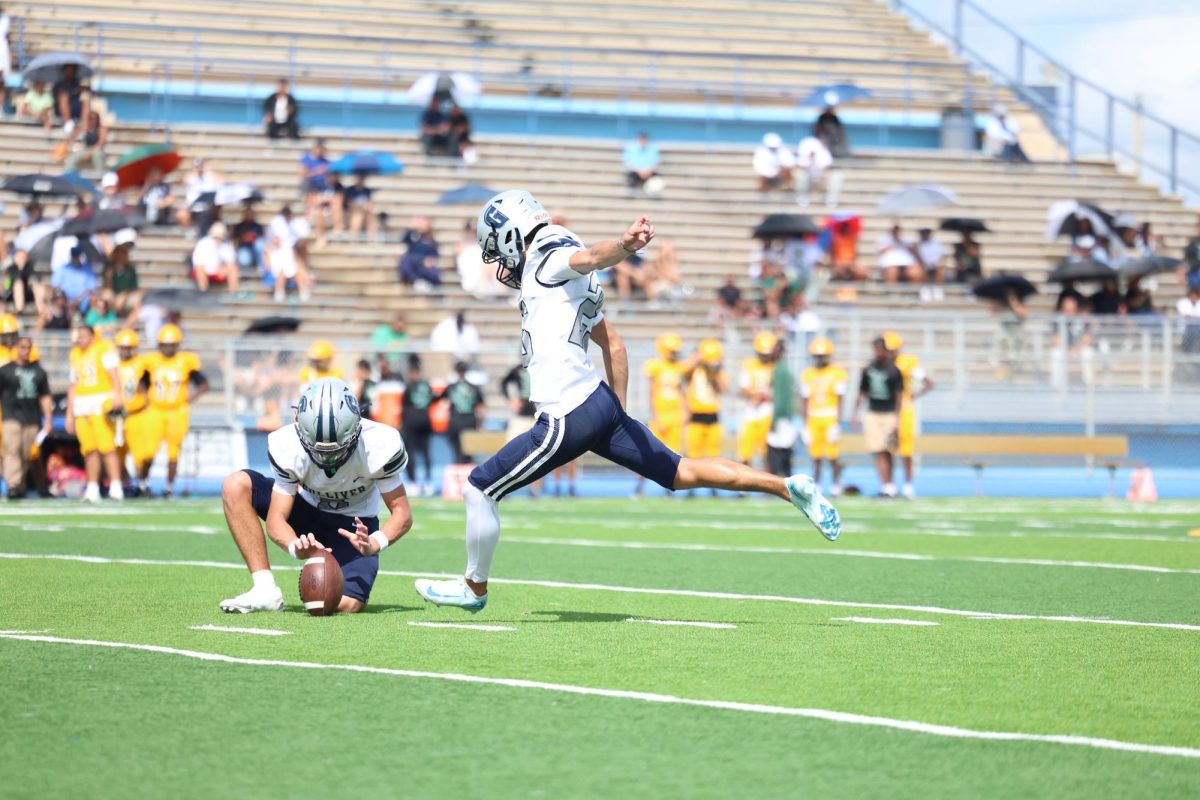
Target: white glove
<point>806,435</point>
<point>833,433</point>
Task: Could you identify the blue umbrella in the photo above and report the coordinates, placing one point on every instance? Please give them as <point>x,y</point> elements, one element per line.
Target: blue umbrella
<point>836,94</point>
<point>368,162</point>
<point>82,183</point>
<point>468,194</point>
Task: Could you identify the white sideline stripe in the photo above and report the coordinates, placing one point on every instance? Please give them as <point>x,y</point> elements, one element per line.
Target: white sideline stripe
<point>883,621</point>
<point>649,697</point>
<point>600,587</point>
<point>230,629</point>
<point>39,527</point>
<point>311,604</point>
<point>683,622</point>
<point>461,625</point>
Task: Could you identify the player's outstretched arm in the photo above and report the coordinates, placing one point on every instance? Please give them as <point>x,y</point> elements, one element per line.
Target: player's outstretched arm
<point>371,543</point>
<point>616,358</point>
<point>603,255</point>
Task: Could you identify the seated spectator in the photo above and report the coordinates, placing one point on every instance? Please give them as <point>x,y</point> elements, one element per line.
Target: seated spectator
<point>773,164</point>
<point>662,273</point>
<point>640,159</point>
<point>435,130</point>
<point>630,275</point>
<point>390,341</point>
<point>214,261</point>
<point>460,135</point>
<point>1089,247</point>
<point>120,278</point>
<point>772,283</point>
<point>1107,300</point>
<point>155,199</point>
<point>968,265</point>
<point>37,104</point>
<point>730,304</point>
<point>829,130</point>
<point>814,162</point>
<point>320,195</point>
<point>843,253</point>
<point>455,335</point>
<point>1188,308</point>
<point>199,181</point>
<point>110,192</point>
<point>1070,294</point>
<point>1002,137</point>
<point>930,254</point>
<point>56,314</point>
<point>1071,334</point>
<point>286,255</point>
<point>89,146</point>
<point>1137,298</point>
<point>6,60</point>
<point>76,279</point>
<point>359,208</point>
<point>101,316</point>
<point>1189,270</point>
<point>69,98</point>
<point>896,259</point>
<point>281,113</point>
<point>248,236</point>
<point>420,260</point>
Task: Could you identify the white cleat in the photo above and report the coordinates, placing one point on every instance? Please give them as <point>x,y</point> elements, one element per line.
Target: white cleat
<point>91,494</point>
<point>254,600</point>
<point>451,593</point>
<point>805,495</point>
<point>909,492</point>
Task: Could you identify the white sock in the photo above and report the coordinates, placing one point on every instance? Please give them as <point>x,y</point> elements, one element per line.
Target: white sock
<point>483,532</point>
<point>263,579</point>
<point>116,491</point>
<point>92,490</point>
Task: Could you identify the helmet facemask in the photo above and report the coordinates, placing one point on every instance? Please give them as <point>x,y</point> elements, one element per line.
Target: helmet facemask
<point>330,457</point>
<point>328,423</point>
<point>508,268</point>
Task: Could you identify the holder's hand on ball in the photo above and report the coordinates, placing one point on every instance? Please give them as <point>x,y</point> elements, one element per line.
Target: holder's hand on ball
<point>307,546</point>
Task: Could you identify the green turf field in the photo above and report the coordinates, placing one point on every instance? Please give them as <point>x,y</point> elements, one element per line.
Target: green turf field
<point>1019,649</point>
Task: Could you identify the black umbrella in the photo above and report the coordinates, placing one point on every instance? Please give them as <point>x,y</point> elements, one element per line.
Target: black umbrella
<point>964,225</point>
<point>49,67</point>
<point>779,226</point>
<point>105,220</point>
<point>49,185</point>
<point>204,201</point>
<point>1087,269</point>
<point>264,325</point>
<point>1147,265</point>
<point>42,252</point>
<point>998,287</point>
<point>179,298</point>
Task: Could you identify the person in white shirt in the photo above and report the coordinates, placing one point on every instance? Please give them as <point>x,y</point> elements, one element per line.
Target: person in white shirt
<point>285,255</point>
<point>1188,309</point>
<point>1002,135</point>
<point>773,164</point>
<point>200,180</point>
<point>455,335</point>
<point>930,254</point>
<point>814,162</point>
<point>561,304</point>
<point>214,260</point>
<point>896,260</point>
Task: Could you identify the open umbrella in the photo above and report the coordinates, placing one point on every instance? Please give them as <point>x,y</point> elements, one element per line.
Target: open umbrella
<point>267,325</point>
<point>466,195</point>
<point>42,254</point>
<point>916,197</point>
<point>137,164</point>
<point>49,67</point>
<point>105,220</point>
<point>180,298</point>
<point>998,287</point>
<point>1147,265</point>
<point>964,225</point>
<point>38,184</point>
<point>367,162</point>
<point>458,86</point>
<point>778,226</point>
<point>233,193</point>
<point>836,94</point>
<point>82,184</point>
<point>1081,269</point>
<point>1063,219</point>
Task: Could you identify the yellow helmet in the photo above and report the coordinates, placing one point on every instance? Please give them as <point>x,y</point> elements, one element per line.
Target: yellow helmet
<point>820,347</point>
<point>9,324</point>
<point>320,350</point>
<point>892,341</point>
<point>764,343</point>
<point>668,344</point>
<point>170,334</point>
<point>127,337</point>
<point>711,352</point>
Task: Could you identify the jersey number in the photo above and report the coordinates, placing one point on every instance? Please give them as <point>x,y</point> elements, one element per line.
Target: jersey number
<point>589,311</point>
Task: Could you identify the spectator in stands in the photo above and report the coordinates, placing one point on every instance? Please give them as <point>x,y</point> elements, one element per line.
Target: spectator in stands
<point>1070,294</point>
<point>662,273</point>
<point>814,162</point>
<point>390,340</point>
<point>1070,332</point>
<point>69,98</point>
<point>1002,136</point>
<point>771,284</point>
<point>319,188</point>
<point>1107,300</point>
<point>1188,309</point>
<point>101,316</point>
<point>37,104</point>
<point>460,135</point>
<point>843,253</point>
<point>640,159</point>
<point>478,279</point>
<point>76,279</point>
<point>120,278</point>
<point>199,181</point>
<point>1137,298</point>
<point>28,412</point>
<point>930,255</point>
<point>435,130</point>
<point>249,240</point>
<point>773,164</point>
<point>455,335</point>
<point>110,192</point>
<point>55,315</point>
<point>730,304</point>
<point>829,130</point>
<point>630,275</point>
<point>214,260</point>
<point>420,261</point>
<point>285,255</point>
<point>1012,313</point>
<point>466,409</point>
<point>1090,247</point>
<point>281,113</point>
<point>90,144</point>
<point>5,60</point>
<point>359,208</point>
<point>968,265</point>
<point>1189,270</point>
<point>155,199</point>
<point>896,259</point>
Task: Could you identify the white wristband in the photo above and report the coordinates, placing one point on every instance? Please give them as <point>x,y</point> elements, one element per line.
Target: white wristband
<point>381,541</point>
<point>292,548</point>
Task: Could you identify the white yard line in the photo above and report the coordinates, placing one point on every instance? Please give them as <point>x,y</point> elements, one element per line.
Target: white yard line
<point>683,623</point>
<point>826,715</point>
<point>885,621</point>
<point>600,587</point>
<point>461,626</point>
<point>31,526</point>
<point>231,629</point>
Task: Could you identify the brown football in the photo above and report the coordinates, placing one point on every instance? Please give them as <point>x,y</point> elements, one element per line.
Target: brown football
<point>321,584</point>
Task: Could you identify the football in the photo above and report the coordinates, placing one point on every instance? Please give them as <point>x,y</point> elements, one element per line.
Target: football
<point>321,584</point>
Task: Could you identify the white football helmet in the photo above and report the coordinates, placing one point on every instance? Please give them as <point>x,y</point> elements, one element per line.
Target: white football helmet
<point>503,230</point>
<point>328,422</point>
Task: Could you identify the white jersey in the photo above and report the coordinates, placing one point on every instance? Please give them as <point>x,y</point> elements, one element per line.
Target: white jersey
<point>354,490</point>
<point>559,308</point>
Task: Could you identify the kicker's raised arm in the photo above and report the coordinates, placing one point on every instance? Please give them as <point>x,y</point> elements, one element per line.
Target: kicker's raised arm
<point>603,255</point>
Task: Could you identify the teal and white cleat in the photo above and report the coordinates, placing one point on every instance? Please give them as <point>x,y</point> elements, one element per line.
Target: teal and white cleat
<point>451,593</point>
<point>805,495</point>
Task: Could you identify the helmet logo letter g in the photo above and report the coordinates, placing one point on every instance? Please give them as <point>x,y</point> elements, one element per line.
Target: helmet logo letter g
<point>494,217</point>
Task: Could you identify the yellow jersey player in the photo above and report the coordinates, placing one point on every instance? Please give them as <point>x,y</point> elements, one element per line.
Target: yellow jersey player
<point>320,364</point>
<point>916,383</point>
<point>174,381</point>
<point>706,383</point>
<point>667,414</point>
<point>132,437</point>
<point>93,398</point>
<point>755,387</point>
<point>823,386</point>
